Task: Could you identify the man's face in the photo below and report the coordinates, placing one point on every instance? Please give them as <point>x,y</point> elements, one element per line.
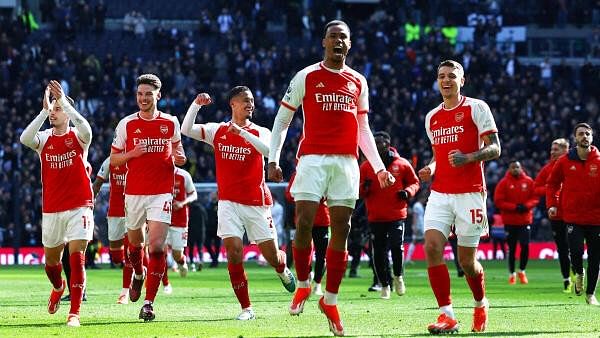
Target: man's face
<point>382,144</point>
<point>147,96</point>
<point>57,115</point>
<point>242,105</point>
<point>583,137</point>
<point>556,151</point>
<point>515,169</point>
<point>336,43</point>
<point>450,80</point>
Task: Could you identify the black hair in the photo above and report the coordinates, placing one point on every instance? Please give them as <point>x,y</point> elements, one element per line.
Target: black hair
<point>383,134</point>
<point>235,91</point>
<point>335,23</point>
<point>582,125</point>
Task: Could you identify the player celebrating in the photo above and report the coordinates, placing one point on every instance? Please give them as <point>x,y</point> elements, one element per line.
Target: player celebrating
<point>117,230</point>
<point>244,199</point>
<point>335,103</point>
<point>148,142</point>
<point>559,230</point>
<point>463,134</point>
<point>66,193</point>
<point>184,193</point>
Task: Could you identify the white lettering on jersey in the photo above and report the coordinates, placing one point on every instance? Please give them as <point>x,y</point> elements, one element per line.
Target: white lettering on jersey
<point>119,179</point>
<point>446,135</point>
<point>229,152</point>
<point>334,101</point>
<point>153,145</point>
<point>62,160</point>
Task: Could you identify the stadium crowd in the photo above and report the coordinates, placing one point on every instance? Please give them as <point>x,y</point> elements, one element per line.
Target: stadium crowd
<point>233,46</point>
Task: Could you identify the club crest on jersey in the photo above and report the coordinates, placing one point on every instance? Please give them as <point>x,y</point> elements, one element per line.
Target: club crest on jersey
<point>164,129</point>
<point>351,87</point>
<point>69,142</point>
<point>459,116</point>
<point>593,170</point>
<point>523,186</point>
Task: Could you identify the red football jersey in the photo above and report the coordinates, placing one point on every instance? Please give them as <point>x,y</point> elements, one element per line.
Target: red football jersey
<point>153,172</point>
<point>331,100</point>
<point>66,182</point>
<point>240,167</point>
<point>184,186</point>
<point>459,128</point>
<point>116,178</point>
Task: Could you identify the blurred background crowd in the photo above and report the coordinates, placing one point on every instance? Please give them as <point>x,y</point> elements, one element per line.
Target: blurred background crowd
<point>538,87</point>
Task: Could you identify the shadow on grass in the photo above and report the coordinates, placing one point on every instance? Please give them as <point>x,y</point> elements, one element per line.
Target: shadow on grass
<point>107,323</point>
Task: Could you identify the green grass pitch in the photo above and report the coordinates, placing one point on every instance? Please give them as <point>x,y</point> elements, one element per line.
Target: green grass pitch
<point>203,305</point>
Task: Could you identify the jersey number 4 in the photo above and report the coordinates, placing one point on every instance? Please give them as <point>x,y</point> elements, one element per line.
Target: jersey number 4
<point>167,207</point>
<point>476,216</point>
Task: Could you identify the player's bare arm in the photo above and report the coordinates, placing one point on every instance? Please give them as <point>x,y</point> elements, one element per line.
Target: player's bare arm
<point>179,154</point>
<point>120,158</point>
<point>188,128</point>
<point>29,135</point>
<point>490,151</point>
<point>427,171</point>
<point>97,185</point>
<point>274,172</point>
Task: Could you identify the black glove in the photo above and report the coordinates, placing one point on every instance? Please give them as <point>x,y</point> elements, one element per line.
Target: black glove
<point>521,208</point>
<point>403,195</point>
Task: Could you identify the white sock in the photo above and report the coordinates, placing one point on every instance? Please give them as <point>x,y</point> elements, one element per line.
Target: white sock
<point>411,250</point>
<point>304,283</point>
<point>124,291</point>
<point>138,277</point>
<point>447,310</point>
<point>147,302</point>
<point>330,298</point>
<point>483,302</point>
<point>522,271</point>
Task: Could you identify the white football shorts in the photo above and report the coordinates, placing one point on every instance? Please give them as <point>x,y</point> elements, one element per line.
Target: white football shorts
<point>234,219</point>
<point>65,226</point>
<point>139,208</point>
<point>116,228</point>
<point>466,211</point>
<point>177,238</point>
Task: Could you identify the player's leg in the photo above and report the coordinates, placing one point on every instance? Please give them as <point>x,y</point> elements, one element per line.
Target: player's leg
<point>135,220</point>
<point>379,249</point>
<point>117,232</point>
<point>397,248</point>
<point>53,269</point>
<point>439,215</point>
<point>320,235</point>
<point>524,236</point>
<point>512,236</point>
<point>559,232</point>
<point>127,274</point>
<point>157,262</point>
<point>66,266</point>
<point>178,242</point>
<point>576,238</point>
<point>592,238</point>
<point>80,230</point>
<point>237,276</point>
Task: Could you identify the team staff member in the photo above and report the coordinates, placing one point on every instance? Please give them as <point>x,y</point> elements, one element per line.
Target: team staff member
<point>559,230</point>
<point>577,176</point>
<point>515,197</point>
<point>387,209</point>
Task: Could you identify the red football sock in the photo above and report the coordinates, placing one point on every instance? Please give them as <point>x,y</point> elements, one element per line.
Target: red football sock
<point>145,261</point>
<point>439,278</point>
<point>77,261</point>
<point>136,255</point>
<point>156,269</point>
<point>477,285</point>
<point>239,283</point>
<point>53,272</point>
<point>116,255</point>
<point>302,260</point>
<point>336,267</point>
<point>127,267</point>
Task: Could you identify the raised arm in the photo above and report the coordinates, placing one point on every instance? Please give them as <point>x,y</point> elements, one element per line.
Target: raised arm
<point>84,130</point>
<point>29,135</point>
<point>188,128</point>
<point>255,141</point>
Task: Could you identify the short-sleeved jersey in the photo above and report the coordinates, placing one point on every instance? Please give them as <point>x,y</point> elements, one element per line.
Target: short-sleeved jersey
<point>151,173</point>
<point>66,173</point>
<point>240,166</point>
<point>460,128</point>
<point>183,187</point>
<point>331,100</point>
<point>115,175</point>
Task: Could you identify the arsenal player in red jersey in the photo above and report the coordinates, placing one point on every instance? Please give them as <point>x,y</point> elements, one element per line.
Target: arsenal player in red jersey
<point>66,193</point>
<point>463,135</point>
<point>244,198</point>
<point>117,230</point>
<point>335,102</point>
<point>148,142</point>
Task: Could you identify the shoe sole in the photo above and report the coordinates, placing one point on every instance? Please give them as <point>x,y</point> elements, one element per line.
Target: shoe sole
<point>441,331</point>
<point>147,317</point>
